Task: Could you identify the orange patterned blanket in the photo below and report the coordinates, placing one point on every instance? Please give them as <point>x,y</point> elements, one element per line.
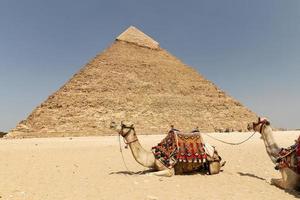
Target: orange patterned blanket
<point>180,147</point>
<point>286,161</point>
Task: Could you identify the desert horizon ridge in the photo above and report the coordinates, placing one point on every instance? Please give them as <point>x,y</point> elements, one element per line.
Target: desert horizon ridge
<point>5,135</point>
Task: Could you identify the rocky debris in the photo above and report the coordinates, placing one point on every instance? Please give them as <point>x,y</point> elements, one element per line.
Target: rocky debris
<point>133,82</point>
<point>2,134</point>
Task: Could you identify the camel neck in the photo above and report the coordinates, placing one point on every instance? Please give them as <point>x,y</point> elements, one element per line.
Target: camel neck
<point>270,144</point>
<point>143,157</point>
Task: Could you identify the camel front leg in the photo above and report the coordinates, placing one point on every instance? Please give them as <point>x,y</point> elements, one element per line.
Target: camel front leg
<point>165,173</point>
<point>278,182</point>
<point>289,179</point>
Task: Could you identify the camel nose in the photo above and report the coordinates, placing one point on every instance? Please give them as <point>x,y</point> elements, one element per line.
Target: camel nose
<point>250,126</point>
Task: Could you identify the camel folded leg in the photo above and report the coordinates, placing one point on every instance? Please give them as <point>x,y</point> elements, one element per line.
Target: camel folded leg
<point>289,179</point>
<point>278,182</point>
<point>165,173</point>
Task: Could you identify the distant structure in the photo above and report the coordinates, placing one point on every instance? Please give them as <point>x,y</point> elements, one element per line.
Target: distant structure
<point>134,80</point>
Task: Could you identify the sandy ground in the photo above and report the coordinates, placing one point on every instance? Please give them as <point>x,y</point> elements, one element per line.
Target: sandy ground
<point>92,168</point>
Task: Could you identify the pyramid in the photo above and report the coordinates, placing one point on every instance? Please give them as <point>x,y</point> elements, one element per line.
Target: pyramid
<point>135,36</point>
<point>134,80</point>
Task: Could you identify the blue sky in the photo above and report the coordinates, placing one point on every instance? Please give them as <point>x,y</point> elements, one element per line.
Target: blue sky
<point>249,48</point>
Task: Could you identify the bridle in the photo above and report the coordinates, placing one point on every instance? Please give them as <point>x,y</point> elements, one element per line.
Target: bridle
<point>262,123</point>
<point>130,128</point>
<point>121,133</point>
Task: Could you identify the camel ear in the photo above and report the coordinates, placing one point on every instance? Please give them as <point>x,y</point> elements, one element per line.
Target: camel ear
<point>258,119</point>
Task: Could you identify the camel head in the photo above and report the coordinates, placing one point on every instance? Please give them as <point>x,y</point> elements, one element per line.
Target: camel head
<point>128,133</point>
<point>259,126</point>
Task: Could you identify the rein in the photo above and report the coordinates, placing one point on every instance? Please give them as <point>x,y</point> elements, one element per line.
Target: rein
<point>120,146</point>
<point>127,143</point>
<point>263,123</point>
<point>123,155</point>
<point>238,143</point>
<point>231,143</point>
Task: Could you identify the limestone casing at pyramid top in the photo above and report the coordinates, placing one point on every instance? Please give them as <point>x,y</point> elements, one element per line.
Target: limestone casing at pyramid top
<point>134,35</point>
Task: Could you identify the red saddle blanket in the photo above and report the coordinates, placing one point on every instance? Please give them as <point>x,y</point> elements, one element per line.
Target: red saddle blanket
<point>180,147</point>
<point>298,155</point>
<point>287,161</point>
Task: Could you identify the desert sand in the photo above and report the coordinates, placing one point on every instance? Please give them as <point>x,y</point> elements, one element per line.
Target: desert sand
<point>86,168</point>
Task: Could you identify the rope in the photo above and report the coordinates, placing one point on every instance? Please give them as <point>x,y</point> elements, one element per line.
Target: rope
<point>129,172</point>
<point>231,143</point>
<point>123,155</point>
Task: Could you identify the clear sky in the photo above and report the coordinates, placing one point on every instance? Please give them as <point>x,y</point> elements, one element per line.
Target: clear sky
<point>249,48</point>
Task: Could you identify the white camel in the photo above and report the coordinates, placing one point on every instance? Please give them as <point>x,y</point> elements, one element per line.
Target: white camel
<point>290,178</point>
<point>147,158</point>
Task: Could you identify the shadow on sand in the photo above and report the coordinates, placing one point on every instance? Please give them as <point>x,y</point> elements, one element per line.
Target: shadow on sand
<point>295,193</point>
<point>144,172</point>
<point>251,175</point>
<point>133,173</point>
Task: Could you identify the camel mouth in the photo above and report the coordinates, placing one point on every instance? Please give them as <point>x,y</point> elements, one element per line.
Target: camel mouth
<point>260,123</point>
<point>250,126</point>
<point>125,130</point>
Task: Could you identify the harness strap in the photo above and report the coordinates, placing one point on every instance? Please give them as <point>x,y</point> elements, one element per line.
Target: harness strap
<point>136,139</point>
<point>128,142</point>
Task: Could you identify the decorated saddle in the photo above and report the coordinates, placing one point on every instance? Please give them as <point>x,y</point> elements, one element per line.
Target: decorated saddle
<point>285,160</point>
<point>180,147</point>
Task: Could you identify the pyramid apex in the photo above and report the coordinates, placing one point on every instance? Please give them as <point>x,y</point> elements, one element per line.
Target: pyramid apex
<point>134,35</point>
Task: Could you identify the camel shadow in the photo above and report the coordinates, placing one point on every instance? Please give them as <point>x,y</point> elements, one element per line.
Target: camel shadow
<point>145,172</point>
<point>132,173</point>
<point>295,193</point>
<point>251,175</point>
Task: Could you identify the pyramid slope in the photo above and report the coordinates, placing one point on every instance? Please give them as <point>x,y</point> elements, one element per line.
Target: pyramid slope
<point>148,87</point>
